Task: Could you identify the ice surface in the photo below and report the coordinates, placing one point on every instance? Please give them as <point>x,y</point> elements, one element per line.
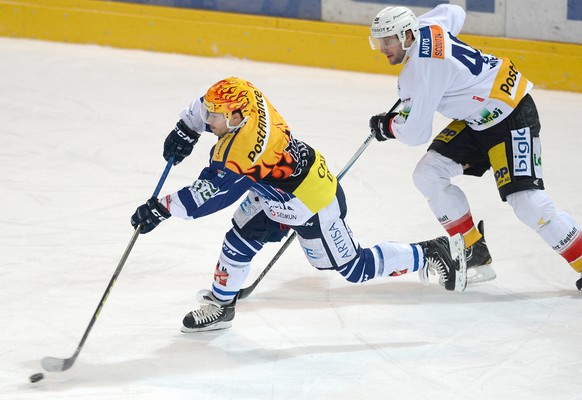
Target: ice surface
<point>82,130</point>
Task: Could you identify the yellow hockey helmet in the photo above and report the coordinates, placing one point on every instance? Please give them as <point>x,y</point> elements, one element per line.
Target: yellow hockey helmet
<point>228,96</point>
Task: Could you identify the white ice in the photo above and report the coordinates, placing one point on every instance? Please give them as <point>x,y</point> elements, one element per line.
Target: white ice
<point>82,128</point>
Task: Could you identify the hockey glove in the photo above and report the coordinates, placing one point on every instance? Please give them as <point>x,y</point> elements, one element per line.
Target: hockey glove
<point>149,215</point>
<point>180,142</point>
<point>380,126</point>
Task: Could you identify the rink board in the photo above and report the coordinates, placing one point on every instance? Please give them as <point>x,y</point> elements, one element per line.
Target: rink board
<point>549,65</point>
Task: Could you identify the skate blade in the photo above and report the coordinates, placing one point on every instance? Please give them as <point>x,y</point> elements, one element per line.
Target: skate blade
<point>215,327</point>
<point>457,244</point>
<point>480,273</point>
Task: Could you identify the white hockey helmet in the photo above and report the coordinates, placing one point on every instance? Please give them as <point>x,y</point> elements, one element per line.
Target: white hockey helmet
<point>393,21</point>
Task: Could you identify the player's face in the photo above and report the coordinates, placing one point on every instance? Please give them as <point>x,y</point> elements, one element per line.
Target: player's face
<point>217,123</point>
<point>391,47</point>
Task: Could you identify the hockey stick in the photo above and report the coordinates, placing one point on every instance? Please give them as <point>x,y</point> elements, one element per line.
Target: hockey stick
<point>53,364</point>
<point>245,292</point>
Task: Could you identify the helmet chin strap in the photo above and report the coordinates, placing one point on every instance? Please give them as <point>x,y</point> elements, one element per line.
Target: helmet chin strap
<point>403,40</point>
<point>233,128</point>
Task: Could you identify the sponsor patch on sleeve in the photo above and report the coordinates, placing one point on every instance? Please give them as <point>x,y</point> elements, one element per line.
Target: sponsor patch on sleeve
<point>432,42</point>
<point>202,191</point>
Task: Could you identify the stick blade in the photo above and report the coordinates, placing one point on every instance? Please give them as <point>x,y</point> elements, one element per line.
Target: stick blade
<point>244,292</point>
<point>53,364</point>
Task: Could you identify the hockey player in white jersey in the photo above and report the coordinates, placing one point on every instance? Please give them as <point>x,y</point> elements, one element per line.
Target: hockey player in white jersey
<point>495,124</point>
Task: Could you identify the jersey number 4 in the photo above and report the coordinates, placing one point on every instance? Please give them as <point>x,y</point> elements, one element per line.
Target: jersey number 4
<point>467,55</point>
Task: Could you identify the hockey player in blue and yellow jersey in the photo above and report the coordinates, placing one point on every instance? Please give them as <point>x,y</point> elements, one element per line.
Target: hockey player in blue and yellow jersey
<point>289,187</point>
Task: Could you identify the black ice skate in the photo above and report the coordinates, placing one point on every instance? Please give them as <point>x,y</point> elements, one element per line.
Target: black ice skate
<point>579,283</point>
<point>445,256</point>
<point>211,316</point>
<point>479,267</point>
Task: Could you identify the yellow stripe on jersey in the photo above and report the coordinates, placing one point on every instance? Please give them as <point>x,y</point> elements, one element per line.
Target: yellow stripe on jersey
<point>577,265</point>
<point>510,85</point>
<point>498,159</point>
<point>319,186</point>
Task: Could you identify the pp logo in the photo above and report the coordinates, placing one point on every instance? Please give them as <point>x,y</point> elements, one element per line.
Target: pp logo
<point>502,176</point>
<point>451,131</point>
<point>446,135</point>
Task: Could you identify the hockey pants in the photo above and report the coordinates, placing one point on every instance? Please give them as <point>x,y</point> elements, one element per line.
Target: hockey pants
<point>326,240</point>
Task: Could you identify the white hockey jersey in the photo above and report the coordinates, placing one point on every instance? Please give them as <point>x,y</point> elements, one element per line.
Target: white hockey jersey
<point>441,73</point>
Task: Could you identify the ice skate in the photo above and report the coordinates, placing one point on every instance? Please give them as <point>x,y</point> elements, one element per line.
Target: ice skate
<point>211,316</point>
<point>579,283</point>
<point>439,260</point>
<point>479,267</point>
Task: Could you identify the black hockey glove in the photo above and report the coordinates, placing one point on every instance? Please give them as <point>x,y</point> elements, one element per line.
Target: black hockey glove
<point>149,215</point>
<point>380,126</point>
<point>180,142</point>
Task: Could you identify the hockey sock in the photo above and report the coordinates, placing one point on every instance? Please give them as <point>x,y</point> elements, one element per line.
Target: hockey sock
<point>234,265</point>
<point>383,260</point>
<point>558,229</point>
<point>565,237</point>
<point>394,259</point>
<point>466,227</point>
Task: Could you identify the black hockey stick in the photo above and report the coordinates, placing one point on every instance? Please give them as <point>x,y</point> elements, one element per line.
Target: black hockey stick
<point>245,292</point>
<point>53,364</point>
